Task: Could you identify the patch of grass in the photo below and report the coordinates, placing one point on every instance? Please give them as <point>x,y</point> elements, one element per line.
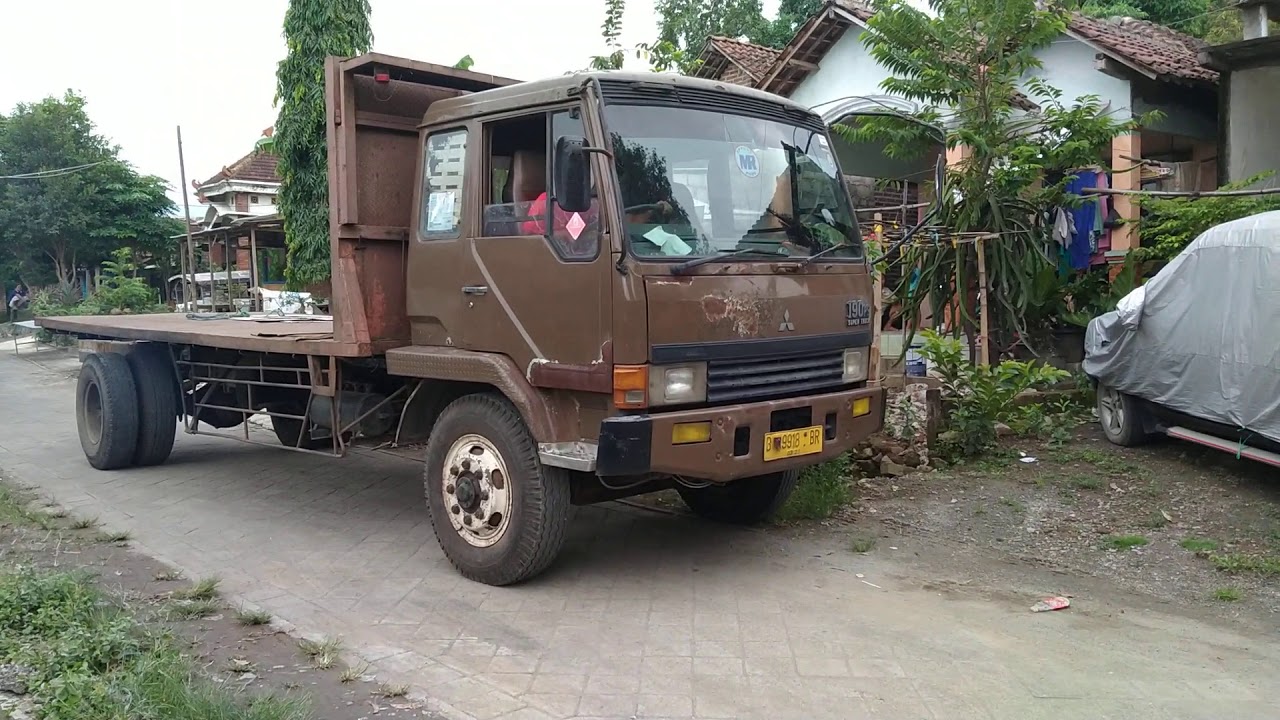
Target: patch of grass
<point>862,544</point>
<point>1227,594</point>
<point>168,575</point>
<point>203,589</point>
<point>353,673</point>
<point>1199,545</point>
<point>1013,504</point>
<point>245,616</point>
<point>84,523</point>
<point>121,536</point>
<point>1239,563</point>
<point>91,659</point>
<point>1124,542</point>
<point>16,510</point>
<point>387,690</point>
<point>193,609</point>
<point>823,489</point>
<point>323,652</point>
<point>1156,520</point>
<point>1083,481</point>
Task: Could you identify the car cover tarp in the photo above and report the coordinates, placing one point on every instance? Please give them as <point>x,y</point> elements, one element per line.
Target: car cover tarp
<point>1202,337</point>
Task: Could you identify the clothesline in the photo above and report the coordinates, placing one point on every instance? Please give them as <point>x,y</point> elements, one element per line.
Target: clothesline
<point>1182,193</point>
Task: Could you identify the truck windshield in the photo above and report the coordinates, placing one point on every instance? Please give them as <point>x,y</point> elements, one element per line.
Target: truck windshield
<point>697,183</point>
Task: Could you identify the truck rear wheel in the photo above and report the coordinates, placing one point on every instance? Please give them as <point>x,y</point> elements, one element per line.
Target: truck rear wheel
<point>107,411</point>
<point>158,403</point>
<point>742,502</point>
<point>498,513</point>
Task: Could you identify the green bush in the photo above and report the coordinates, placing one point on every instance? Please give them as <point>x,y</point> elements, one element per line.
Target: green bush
<point>976,397</point>
<point>1169,225</point>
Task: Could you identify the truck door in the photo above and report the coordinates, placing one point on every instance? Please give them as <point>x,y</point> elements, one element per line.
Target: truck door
<point>535,281</point>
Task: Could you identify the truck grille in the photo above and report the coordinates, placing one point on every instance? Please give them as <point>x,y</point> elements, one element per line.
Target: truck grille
<point>758,378</point>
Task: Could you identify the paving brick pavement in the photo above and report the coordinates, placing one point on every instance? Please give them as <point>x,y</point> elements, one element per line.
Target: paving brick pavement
<point>646,615</point>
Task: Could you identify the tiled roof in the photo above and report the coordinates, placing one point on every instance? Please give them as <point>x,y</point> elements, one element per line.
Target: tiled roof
<point>1155,49</point>
<point>860,10</point>
<point>754,59</point>
<point>258,166</point>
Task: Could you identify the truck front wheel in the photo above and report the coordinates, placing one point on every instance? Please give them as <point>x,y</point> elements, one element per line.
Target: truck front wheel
<point>742,502</point>
<point>107,411</point>
<point>499,514</point>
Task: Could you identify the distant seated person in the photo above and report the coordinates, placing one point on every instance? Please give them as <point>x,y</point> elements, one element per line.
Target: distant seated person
<point>19,300</point>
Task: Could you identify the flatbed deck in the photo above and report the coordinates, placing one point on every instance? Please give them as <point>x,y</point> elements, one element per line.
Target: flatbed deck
<point>257,333</point>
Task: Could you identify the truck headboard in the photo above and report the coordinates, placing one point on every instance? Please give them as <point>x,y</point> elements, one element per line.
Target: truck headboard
<point>374,104</point>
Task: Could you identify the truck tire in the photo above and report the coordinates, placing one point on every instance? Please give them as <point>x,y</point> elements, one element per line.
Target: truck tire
<point>498,513</point>
<point>107,411</point>
<point>1122,417</point>
<point>742,502</point>
<point>288,429</point>
<point>158,403</point>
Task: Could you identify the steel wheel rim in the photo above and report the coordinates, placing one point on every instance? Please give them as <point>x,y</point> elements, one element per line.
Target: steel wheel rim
<point>477,491</point>
<point>1111,410</point>
<point>93,412</point>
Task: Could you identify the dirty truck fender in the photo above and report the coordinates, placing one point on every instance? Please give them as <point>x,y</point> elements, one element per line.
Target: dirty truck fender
<point>468,366</point>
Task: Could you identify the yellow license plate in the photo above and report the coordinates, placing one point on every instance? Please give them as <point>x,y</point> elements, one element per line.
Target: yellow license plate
<point>791,443</point>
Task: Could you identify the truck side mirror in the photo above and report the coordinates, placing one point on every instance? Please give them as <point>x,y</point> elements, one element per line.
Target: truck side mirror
<point>571,182</point>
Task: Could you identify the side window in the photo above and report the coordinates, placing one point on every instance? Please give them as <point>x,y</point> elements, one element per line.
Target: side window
<point>516,197</point>
<point>519,174</point>
<point>576,236</point>
<point>443,173</point>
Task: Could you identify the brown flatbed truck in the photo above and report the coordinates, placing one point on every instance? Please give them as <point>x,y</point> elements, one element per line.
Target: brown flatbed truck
<point>693,312</point>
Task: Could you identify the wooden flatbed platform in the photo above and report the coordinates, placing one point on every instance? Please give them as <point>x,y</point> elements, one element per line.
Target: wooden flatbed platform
<point>256,333</point>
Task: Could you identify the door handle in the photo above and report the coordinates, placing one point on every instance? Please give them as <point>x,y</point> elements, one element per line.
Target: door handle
<point>475,289</point>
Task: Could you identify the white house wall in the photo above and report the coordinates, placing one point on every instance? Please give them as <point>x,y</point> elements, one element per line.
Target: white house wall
<point>1253,146</point>
<point>1068,65</point>
<point>847,70</point>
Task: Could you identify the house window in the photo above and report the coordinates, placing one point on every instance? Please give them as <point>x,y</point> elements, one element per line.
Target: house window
<point>442,189</point>
<point>253,200</point>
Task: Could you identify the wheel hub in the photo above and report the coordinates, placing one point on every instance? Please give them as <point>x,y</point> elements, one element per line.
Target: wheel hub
<point>476,492</point>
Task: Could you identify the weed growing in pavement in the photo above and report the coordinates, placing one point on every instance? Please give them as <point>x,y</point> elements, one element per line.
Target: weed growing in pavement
<point>323,652</point>
<point>192,609</point>
<point>354,673</point>
<point>203,589</point>
<point>1199,546</point>
<point>387,690</point>
<point>85,523</point>
<point>16,509</point>
<point>822,490</point>
<point>1124,542</point>
<point>120,536</point>
<point>1227,594</point>
<point>863,544</point>
<point>168,575</point>
<point>245,616</point>
<point>1239,563</point>
<point>92,660</point>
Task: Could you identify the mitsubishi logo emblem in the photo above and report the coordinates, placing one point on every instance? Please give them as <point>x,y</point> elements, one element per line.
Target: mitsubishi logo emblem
<point>787,325</point>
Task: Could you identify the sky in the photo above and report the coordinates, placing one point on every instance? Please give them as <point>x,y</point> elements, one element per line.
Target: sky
<point>148,66</point>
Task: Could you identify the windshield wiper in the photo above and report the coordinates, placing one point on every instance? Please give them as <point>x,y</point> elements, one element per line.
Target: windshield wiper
<point>695,262</point>
<point>820,253</point>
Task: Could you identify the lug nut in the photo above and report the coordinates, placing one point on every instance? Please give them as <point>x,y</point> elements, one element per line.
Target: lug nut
<point>449,488</point>
<point>453,470</point>
<point>484,494</point>
<point>466,519</point>
<point>455,509</point>
<point>466,464</point>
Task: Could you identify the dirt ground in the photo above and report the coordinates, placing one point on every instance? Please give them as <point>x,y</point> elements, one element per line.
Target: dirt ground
<point>248,659</point>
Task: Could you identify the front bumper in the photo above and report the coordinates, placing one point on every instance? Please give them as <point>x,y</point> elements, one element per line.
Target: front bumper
<point>641,444</point>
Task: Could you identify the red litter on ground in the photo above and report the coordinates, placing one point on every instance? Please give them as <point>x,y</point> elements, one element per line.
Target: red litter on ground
<point>1053,603</point>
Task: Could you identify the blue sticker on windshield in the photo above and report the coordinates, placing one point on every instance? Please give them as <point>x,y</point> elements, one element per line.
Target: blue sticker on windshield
<point>748,163</point>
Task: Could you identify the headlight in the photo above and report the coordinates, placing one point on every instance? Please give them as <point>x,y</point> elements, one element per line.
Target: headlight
<point>677,384</point>
<point>855,365</point>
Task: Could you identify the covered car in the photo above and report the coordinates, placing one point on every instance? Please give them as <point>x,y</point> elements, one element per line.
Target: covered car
<point>1195,352</point>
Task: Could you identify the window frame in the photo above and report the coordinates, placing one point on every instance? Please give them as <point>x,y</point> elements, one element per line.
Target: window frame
<point>424,204</point>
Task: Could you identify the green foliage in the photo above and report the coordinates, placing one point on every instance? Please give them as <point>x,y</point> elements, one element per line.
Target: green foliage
<point>792,14</point>
<point>120,289</point>
<point>465,63</point>
<point>313,30</point>
<point>57,219</point>
<point>822,490</point>
<point>1171,224</point>
<point>611,31</point>
<point>92,661</point>
<point>1240,563</point>
<point>1124,542</point>
<point>686,24</point>
<point>978,396</point>
<point>1199,545</point>
<point>967,59</point>
<point>1188,16</point>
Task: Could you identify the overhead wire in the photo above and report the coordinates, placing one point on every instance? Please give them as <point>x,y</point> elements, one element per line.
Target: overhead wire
<point>52,173</point>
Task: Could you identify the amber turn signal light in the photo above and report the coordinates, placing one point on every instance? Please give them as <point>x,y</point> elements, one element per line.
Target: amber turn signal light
<point>691,432</point>
<point>631,386</point>
<point>861,406</point>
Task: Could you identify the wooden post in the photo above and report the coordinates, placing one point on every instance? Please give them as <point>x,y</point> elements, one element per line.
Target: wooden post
<point>984,342</point>
<point>253,267</point>
<point>226,247</point>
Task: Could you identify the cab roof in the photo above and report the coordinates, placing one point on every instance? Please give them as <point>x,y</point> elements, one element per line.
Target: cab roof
<point>560,88</point>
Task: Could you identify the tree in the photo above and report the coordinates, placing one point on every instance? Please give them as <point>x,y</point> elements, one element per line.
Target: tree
<point>611,31</point>
<point>66,199</point>
<point>686,24</point>
<point>791,15</point>
<point>963,62</point>
<point>313,30</point>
